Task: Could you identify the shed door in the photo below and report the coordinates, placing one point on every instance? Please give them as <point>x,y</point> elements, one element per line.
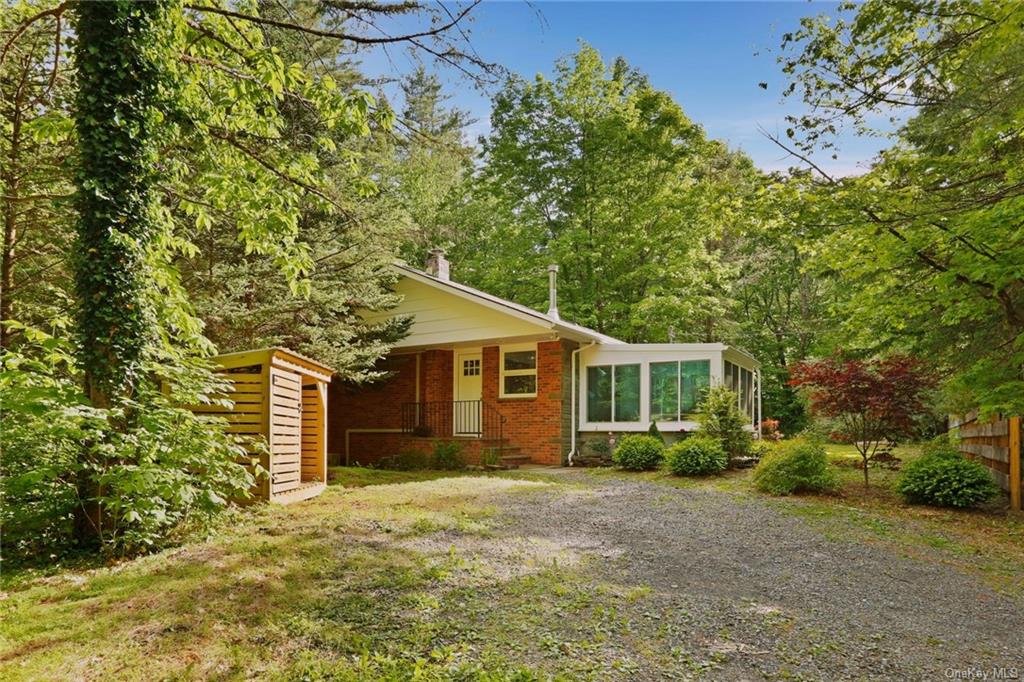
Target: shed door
<point>468,391</point>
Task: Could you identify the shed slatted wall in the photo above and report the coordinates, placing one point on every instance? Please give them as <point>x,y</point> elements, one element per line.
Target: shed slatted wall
<point>285,432</point>
<point>312,433</point>
<point>246,418</point>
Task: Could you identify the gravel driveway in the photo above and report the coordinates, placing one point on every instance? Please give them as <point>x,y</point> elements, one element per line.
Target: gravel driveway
<point>745,591</point>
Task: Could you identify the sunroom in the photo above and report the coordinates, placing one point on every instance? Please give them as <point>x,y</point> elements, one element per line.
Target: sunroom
<point>625,387</point>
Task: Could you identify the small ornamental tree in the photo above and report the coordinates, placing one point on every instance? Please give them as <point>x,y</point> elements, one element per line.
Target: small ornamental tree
<point>720,417</point>
<point>872,400</point>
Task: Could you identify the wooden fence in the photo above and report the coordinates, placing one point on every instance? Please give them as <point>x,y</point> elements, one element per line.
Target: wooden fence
<point>997,445</point>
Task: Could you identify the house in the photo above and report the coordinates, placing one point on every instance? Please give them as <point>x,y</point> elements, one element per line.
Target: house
<point>511,382</point>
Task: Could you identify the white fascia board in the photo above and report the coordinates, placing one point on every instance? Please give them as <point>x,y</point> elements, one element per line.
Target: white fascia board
<point>567,330</point>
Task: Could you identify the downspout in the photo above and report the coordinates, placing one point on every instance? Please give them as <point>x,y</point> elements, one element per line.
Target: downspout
<point>572,400</point>
<point>760,417</point>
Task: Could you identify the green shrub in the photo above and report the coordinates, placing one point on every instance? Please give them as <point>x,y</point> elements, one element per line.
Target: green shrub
<point>940,446</point>
<point>943,477</point>
<point>760,449</point>
<point>638,453</point>
<point>161,471</point>
<point>795,466</point>
<point>720,417</point>
<point>697,456</point>
<point>448,455</point>
<point>653,432</point>
<point>408,460</point>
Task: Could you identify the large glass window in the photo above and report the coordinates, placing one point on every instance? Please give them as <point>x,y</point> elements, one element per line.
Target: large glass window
<point>731,377</point>
<point>613,393</point>
<point>664,391</point>
<point>627,392</point>
<point>518,372</point>
<point>599,394</point>
<point>696,377</point>
<point>677,387</point>
<point>740,380</point>
<point>747,392</point>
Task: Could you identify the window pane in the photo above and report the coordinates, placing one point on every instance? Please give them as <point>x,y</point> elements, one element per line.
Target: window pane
<point>627,393</point>
<point>664,391</point>
<point>599,394</point>
<point>521,359</point>
<point>696,378</point>
<point>521,385</point>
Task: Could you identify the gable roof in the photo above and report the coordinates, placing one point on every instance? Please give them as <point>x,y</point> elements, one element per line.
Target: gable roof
<point>565,329</point>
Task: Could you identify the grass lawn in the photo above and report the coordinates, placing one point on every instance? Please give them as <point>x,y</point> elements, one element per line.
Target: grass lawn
<point>355,584</point>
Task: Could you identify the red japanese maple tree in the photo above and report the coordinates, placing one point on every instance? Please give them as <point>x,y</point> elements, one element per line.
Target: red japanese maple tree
<point>872,400</point>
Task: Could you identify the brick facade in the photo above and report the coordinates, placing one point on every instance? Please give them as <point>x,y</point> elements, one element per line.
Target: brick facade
<point>539,426</point>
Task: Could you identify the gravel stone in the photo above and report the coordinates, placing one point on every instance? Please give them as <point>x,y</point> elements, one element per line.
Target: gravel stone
<point>752,593</point>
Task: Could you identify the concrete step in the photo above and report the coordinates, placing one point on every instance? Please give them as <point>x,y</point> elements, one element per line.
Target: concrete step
<point>515,460</point>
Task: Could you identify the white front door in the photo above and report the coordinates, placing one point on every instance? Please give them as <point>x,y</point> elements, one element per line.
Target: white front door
<point>468,391</point>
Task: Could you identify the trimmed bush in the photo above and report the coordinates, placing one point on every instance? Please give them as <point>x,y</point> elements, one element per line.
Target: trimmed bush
<point>719,416</point>
<point>638,453</point>
<point>448,455</point>
<point>942,477</point>
<point>697,456</point>
<point>796,466</point>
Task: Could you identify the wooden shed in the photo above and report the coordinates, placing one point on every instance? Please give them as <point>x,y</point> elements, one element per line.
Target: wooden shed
<point>281,396</point>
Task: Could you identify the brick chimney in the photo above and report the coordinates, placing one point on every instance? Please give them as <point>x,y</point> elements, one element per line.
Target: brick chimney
<point>437,264</point>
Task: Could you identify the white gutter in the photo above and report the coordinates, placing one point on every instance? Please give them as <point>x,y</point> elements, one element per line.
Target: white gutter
<point>760,417</point>
<point>572,399</point>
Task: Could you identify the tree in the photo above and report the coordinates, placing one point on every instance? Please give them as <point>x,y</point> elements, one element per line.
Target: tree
<point>184,118</point>
<point>123,55</point>
<point>429,161</point>
<point>604,175</point>
<point>244,299</point>
<point>780,303</point>
<point>720,418</point>
<point>927,242</point>
<point>871,400</point>
<point>35,189</point>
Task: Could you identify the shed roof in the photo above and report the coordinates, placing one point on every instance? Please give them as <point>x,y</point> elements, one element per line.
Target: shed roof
<point>285,356</point>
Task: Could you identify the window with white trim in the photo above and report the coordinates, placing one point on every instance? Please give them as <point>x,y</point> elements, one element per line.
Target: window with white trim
<point>613,393</point>
<point>676,388</point>
<point>740,380</point>
<point>518,375</point>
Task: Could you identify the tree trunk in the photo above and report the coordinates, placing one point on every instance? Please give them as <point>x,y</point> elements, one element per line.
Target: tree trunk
<point>122,54</point>
<point>10,204</point>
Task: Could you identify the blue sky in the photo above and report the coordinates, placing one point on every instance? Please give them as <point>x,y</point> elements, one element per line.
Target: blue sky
<point>709,55</point>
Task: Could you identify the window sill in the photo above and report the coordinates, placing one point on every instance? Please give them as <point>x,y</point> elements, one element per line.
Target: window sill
<point>524,396</point>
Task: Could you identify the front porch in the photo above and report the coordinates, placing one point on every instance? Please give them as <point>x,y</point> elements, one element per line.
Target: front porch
<point>503,403</point>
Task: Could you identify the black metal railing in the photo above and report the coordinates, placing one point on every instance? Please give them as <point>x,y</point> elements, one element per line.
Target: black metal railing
<point>440,418</point>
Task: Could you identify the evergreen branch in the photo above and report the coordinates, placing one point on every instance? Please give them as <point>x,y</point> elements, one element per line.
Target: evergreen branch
<point>18,32</point>
<point>325,33</point>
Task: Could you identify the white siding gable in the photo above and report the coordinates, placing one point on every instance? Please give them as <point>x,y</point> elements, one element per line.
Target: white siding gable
<point>443,318</point>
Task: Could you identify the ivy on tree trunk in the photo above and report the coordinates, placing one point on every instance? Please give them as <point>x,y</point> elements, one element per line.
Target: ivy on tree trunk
<point>122,56</point>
